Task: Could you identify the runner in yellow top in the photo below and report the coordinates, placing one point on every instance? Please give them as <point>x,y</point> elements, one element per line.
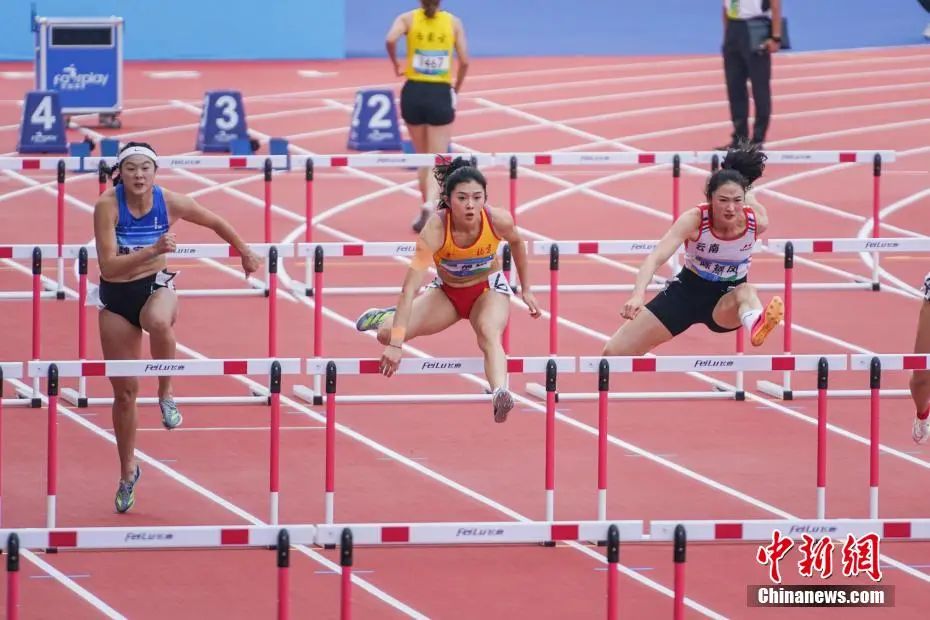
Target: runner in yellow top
<point>461,241</point>
<point>427,100</point>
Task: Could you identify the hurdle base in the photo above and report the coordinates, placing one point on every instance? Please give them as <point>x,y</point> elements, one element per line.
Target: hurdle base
<point>307,394</point>
<point>72,397</point>
<point>59,294</point>
<point>17,402</point>
<point>25,396</point>
<point>539,391</point>
<point>773,389</point>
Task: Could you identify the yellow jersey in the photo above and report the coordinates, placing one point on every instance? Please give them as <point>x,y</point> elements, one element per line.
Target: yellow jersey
<point>463,266</point>
<point>430,42</point>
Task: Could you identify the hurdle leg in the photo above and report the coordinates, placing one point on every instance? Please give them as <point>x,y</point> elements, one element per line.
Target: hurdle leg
<point>822,370</point>
<point>52,473</point>
<point>12,576</point>
<point>679,560</point>
<point>330,493</point>
<point>875,404</point>
<point>284,562</point>
<point>345,565</point>
<point>603,389</point>
<point>275,427</point>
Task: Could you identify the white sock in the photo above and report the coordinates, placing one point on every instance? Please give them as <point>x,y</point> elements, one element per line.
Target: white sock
<point>748,318</point>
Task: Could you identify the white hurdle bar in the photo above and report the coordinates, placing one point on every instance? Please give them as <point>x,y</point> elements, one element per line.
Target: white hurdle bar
<point>789,248</point>
<point>315,255</point>
<point>54,371</point>
<point>762,530</point>
<point>495,532</point>
<point>81,254</point>
<point>604,366</point>
<point>332,368</point>
<point>875,364</point>
<point>160,537</point>
<point>322,535</point>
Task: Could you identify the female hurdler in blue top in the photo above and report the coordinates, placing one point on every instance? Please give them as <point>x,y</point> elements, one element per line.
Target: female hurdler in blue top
<point>132,225</point>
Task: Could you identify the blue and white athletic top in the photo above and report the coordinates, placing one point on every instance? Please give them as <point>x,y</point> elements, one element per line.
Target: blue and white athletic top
<point>132,233</point>
<point>721,260</point>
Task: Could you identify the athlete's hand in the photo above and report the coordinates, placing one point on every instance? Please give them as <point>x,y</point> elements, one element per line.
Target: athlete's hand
<point>166,244</point>
<point>530,300</point>
<point>632,307</point>
<point>398,70</point>
<point>390,360</point>
<point>250,262</point>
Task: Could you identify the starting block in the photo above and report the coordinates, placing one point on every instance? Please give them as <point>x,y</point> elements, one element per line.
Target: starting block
<point>42,129</point>
<point>109,147</point>
<point>374,122</point>
<point>222,121</point>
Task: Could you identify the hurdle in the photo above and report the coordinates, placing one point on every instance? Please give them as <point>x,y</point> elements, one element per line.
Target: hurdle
<point>875,364</point>
<point>678,158</point>
<point>331,368</point>
<point>79,397</point>
<point>477,533</point>
<point>315,287</point>
<point>762,529</point>
<point>53,371</point>
<point>831,246</point>
<point>605,366</point>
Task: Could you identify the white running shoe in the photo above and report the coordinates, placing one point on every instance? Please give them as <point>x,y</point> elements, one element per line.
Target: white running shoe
<point>921,430</point>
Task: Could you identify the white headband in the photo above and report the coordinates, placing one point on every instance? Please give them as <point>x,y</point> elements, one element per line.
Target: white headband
<point>138,150</point>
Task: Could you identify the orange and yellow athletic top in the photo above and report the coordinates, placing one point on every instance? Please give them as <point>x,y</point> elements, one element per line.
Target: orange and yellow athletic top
<point>464,266</point>
<point>430,42</point>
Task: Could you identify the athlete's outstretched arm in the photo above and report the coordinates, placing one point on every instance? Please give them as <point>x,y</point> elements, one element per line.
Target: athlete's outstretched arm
<point>684,228</point>
<point>429,241</point>
<point>504,225</point>
<point>186,208</point>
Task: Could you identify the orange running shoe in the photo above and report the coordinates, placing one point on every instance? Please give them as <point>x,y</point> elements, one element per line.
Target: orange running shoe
<point>771,316</point>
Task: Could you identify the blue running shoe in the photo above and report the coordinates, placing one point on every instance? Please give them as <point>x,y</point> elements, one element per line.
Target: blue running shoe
<point>373,318</point>
<point>170,416</point>
<point>126,493</point>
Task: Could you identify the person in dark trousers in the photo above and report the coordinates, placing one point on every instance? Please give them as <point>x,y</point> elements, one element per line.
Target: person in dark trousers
<point>746,57</point>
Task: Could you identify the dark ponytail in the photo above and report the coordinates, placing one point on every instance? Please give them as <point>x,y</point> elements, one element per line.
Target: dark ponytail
<point>430,7</point>
<point>742,165</point>
<point>449,174</point>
